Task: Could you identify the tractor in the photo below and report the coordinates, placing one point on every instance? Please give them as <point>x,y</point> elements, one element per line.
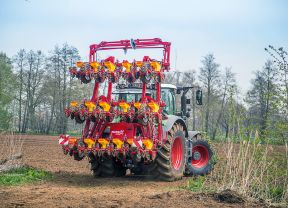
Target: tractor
<point>136,125</point>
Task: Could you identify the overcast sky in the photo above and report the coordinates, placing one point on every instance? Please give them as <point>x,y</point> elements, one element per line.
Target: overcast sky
<point>235,31</point>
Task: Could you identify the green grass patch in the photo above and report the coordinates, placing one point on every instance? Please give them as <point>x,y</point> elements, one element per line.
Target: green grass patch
<point>199,184</point>
<point>23,175</point>
<point>196,184</point>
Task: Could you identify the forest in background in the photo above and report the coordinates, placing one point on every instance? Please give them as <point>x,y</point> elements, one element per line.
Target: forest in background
<point>35,87</point>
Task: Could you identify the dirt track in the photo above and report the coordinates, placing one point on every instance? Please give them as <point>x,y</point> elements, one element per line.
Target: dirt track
<point>74,186</point>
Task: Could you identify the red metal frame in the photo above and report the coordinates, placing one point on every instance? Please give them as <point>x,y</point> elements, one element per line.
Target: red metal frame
<point>154,43</point>
<point>149,131</point>
<point>139,43</point>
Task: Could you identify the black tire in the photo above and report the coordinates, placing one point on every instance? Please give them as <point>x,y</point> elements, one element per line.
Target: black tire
<point>107,168</point>
<point>78,156</point>
<point>138,170</point>
<point>167,168</point>
<point>149,171</point>
<point>202,163</point>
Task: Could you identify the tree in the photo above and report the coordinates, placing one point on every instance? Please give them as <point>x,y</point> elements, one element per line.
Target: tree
<point>209,76</point>
<point>6,91</point>
<point>20,61</point>
<point>32,81</point>
<point>229,84</point>
<point>60,84</point>
<point>280,57</point>
<point>263,97</point>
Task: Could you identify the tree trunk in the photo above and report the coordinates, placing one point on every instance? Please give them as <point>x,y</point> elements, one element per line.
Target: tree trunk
<point>208,108</point>
<point>52,113</point>
<point>20,96</point>
<point>220,114</point>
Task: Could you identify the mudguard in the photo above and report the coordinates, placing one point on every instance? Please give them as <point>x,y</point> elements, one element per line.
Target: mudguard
<point>192,134</point>
<point>168,123</point>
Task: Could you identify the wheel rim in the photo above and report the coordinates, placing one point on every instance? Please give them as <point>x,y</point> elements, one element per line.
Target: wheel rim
<point>177,153</point>
<point>200,156</point>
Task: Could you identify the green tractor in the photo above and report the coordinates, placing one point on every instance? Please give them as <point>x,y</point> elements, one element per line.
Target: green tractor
<point>192,154</point>
<point>136,125</point>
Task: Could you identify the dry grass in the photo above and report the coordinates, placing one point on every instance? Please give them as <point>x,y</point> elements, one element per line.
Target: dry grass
<point>253,170</point>
<point>11,151</point>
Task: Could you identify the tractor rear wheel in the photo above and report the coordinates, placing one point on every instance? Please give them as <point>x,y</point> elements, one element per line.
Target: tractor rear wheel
<point>171,157</point>
<point>149,171</point>
<point>107,168</point>
<point>203,158</point>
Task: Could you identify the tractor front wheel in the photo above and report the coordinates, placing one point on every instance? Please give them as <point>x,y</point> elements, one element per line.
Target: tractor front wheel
<point>202,160</point>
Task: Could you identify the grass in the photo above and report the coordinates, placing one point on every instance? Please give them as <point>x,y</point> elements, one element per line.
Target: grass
<point>252,170</point>
<point>23,175</point>
<point>196,184</point>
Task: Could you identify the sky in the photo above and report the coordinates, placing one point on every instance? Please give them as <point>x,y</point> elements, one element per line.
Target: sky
<point>235,31</point>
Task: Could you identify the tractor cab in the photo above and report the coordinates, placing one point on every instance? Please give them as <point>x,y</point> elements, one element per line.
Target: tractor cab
<point>128,94</point>
<point>134,92</point>
<point>169,92</point>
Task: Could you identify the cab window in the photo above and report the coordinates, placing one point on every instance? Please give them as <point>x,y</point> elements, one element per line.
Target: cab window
<point>168,96</point>
<point>127,97</point>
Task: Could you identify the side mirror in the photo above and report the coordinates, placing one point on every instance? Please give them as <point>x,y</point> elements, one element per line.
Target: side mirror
<point>188,101</point>
<point>199,97</point>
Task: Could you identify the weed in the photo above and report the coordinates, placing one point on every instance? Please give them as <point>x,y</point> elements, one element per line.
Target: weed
<point>196,184</point>
<point>23,175</point>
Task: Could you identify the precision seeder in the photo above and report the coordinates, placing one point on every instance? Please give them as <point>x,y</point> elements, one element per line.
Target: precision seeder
<point>135,126</point>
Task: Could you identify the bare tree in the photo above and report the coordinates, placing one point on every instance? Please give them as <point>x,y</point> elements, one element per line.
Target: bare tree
<point>32,79</point>
<point>60,59</point>
<point>229,83</point>
<point>209,76</point>
<point>20,61</point>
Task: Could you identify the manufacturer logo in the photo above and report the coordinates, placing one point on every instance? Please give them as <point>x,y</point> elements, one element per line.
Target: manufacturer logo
<point>118,133</point>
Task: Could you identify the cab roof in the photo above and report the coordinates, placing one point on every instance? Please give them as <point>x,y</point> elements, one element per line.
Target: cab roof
<point>137,89</point>
<point>170,86</point>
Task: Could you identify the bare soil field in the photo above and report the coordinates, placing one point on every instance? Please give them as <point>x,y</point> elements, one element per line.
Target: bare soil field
<point>74,186</point>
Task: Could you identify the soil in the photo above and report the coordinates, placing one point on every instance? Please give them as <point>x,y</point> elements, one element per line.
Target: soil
<point>74,186</point>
